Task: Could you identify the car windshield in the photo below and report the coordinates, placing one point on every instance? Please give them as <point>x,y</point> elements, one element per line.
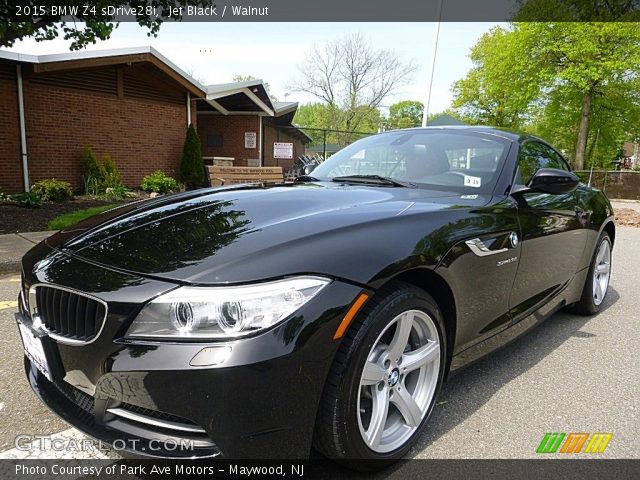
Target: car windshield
<point>458,161</point>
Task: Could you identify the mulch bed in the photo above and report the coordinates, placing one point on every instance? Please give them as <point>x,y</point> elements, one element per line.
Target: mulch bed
<point>15,219</point>
<point>627,217</point>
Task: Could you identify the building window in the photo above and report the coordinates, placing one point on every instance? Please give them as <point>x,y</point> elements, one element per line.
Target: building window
<point>214,140</point>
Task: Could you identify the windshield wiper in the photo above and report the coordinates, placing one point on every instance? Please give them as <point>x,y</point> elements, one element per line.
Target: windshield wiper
<point>306,178</point>
<point>373,179</point>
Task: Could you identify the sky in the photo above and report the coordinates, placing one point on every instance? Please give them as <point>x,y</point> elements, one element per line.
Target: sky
<point>215,52</point>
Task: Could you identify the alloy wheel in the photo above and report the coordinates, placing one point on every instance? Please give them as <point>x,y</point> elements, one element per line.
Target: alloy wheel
<point>602,272</point>
<point>398,381</point>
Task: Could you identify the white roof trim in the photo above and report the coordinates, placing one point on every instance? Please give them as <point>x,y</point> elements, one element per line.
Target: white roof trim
<point>223,87</point>
<point>281,108</point>
<point>227,89</point>
<point>218,107</point>
<point>259,102</point>
<point>18,57</point>
<point>225,93</point>
<point>89,54</point>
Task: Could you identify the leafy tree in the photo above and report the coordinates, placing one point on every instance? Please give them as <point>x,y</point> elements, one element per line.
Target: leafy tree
<point>572,75</point>
<point>451,113</point>
<point>577,10</point>
<point>192,165</point>
<point>314,116</point>
<point>405,114</point>
<point>89,22</point>
<point>323,123</point>
<point>588,58</point>
<point>501,85</point>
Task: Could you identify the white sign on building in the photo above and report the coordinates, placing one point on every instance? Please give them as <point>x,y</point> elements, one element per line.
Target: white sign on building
<point>282,150</point>
<point>250,139</point>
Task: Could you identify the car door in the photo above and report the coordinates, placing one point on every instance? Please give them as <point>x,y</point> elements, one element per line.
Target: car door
<point>552,232</point>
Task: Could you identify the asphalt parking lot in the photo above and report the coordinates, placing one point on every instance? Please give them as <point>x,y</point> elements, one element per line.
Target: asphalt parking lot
<point>571,374</point>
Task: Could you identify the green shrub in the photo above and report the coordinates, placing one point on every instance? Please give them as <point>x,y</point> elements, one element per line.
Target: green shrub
<point>110,173</point>
<point>90,165</point>
<point>117,192</point>
<point>91,175</point>
<point>92,185</point>
<point>27,199</point>
<point>52,190</point>
<point>98,176</point>
<point>159,182</point>
<point>192,166</point>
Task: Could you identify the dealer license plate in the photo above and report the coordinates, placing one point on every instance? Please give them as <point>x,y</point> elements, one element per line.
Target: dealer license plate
<point>33,350</point>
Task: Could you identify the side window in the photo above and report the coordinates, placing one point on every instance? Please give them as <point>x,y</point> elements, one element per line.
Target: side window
<point>553,157</point>
<point>534,156</point>
<point>528,163</point>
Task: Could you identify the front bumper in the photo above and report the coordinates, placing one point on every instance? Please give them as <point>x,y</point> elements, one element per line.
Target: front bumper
<point>145,397</point>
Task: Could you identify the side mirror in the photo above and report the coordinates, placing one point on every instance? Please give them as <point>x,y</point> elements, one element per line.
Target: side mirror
<point>550,180</point>
<point>309,168</point>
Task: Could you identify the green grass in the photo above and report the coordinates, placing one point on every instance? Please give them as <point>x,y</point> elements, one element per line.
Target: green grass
<point>69,219</point>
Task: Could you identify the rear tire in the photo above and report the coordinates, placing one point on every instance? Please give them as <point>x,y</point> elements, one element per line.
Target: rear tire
<point>377,413</point>
<point>596,284</point>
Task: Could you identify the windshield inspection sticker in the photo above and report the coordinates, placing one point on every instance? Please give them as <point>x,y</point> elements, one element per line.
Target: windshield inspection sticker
<point>470,181</point>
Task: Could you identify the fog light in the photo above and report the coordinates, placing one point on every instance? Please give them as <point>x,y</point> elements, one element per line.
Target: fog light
<point>209,356</point>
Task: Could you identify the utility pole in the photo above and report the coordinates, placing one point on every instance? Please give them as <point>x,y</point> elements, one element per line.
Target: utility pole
<point>434,53</point>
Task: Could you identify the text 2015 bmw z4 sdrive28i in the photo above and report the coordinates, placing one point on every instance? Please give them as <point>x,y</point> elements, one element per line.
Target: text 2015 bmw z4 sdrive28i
<point>270,321</point>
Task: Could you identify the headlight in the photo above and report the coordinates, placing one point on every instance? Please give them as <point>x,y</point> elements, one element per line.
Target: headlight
<point>223,312</point>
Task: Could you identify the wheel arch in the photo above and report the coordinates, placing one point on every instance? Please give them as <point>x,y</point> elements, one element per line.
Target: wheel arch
<point>610,228</point>
<point>436,286</point>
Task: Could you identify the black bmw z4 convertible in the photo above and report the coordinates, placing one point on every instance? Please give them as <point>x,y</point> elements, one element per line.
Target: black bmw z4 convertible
<point>321,315</point>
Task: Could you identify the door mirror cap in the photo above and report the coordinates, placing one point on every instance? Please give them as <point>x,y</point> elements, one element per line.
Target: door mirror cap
<point>550,180</point>
<point>309,168</point>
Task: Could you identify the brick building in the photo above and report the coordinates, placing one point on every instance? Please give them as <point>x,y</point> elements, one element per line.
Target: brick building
<point>239,125</point>
<point>132,104</point>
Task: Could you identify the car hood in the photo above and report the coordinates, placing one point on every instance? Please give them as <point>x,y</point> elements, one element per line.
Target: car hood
<point>247,233</point>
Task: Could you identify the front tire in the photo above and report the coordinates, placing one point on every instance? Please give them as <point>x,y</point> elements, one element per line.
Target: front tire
<point>597,282</point>
<point>385,378</point>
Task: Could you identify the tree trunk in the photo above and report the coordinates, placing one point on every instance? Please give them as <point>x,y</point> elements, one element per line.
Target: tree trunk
<point>583,130</point>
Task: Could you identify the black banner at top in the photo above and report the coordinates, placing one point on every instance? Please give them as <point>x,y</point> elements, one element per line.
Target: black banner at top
<point>321,10</point>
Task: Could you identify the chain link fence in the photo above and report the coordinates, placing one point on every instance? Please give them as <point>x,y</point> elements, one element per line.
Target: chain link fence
<point>321,144</point>
<point>617,184</point>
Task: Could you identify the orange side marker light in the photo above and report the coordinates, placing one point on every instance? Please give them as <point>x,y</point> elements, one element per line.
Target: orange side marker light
<point>351,313</point>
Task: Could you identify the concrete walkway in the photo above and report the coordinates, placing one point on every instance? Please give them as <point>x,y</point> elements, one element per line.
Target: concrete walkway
<point>14,245</point>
